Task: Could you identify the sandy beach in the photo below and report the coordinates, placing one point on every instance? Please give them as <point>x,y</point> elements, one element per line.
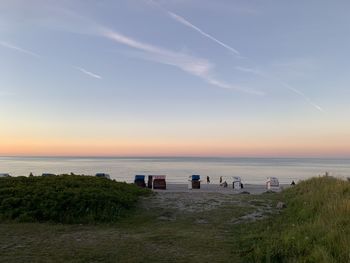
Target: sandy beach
<point>216,188</point>
<point>212,196</point>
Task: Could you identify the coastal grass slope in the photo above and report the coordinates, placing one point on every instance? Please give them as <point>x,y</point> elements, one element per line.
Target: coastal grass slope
<point>66,199</point>
<point>315,226</point>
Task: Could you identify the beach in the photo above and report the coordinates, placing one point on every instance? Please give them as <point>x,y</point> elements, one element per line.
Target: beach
<point>216,188</point>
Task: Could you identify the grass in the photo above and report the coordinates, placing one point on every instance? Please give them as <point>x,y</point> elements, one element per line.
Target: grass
<point>65,199</point>
<point>313,228</point>
<point>140,237</point>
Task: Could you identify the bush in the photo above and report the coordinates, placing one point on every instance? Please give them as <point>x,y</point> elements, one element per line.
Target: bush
<point>66,199</point>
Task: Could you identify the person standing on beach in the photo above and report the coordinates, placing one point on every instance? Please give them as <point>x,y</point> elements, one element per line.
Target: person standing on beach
<point>208,180</point>
<point>220,180</point>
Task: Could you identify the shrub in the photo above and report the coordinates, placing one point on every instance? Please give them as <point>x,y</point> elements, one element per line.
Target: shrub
<point>66,199</point>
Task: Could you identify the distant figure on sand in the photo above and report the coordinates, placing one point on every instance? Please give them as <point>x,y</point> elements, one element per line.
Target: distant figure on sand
<point>208,180</point>
<point>220,180</point>
<point>293,183</point>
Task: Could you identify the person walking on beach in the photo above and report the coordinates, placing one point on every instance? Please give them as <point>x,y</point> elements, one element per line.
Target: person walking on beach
<point>220,180</point>
<point>208,180</point>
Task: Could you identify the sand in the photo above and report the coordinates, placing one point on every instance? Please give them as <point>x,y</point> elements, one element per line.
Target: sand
<point>215,188</point>
<point>178,199</point>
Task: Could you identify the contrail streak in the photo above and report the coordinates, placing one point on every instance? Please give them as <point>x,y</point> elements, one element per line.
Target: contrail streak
<point>188,24</point>
<point>30,53</point>
<point>284,84</point>
<point>89,73</point>
<point>185,22</point>
<point>19,49</point>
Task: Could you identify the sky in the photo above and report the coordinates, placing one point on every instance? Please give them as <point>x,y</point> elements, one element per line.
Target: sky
<point>175,78</point>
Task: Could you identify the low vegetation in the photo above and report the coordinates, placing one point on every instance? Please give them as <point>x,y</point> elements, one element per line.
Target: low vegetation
<point>199,227</point>
<point>153,232</point>
<point>65,199</point>
<point>315,226</point>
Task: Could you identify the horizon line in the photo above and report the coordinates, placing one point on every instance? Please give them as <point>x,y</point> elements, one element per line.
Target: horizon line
<point>174,156</point>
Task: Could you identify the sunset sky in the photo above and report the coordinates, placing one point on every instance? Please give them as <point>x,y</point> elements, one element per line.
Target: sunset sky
<point>175,78</point>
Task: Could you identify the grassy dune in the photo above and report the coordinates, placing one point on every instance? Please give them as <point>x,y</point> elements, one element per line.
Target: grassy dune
<point>315,226</point>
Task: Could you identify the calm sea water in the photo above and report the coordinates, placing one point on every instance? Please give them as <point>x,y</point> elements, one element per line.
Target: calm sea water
<point>251,170</point>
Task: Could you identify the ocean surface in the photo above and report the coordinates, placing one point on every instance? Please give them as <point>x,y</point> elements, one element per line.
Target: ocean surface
<point>177,170</point>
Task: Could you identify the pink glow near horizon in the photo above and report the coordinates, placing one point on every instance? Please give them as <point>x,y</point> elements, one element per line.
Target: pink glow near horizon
<point>173,148</point>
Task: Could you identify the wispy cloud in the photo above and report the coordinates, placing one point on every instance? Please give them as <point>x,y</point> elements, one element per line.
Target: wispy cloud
<point>18,49</point>
<point>249,70</point>
<point>89,73</point>
<point>198,67</point>
<point>185,22</point>
<point>188,24</point>
<point>195,66</point>
<point>225,85</point>
<point>282,83</point>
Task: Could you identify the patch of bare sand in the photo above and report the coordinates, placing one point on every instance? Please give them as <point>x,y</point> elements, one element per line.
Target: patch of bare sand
<point>181,200</point>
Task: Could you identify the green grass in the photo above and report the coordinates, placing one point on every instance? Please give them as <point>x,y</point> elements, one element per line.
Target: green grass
<point>65,199</point>
<point>140,237</point>
<point>315,226</point>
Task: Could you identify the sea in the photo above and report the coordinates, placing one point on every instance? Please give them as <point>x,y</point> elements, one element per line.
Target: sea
<point>178,169</point>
